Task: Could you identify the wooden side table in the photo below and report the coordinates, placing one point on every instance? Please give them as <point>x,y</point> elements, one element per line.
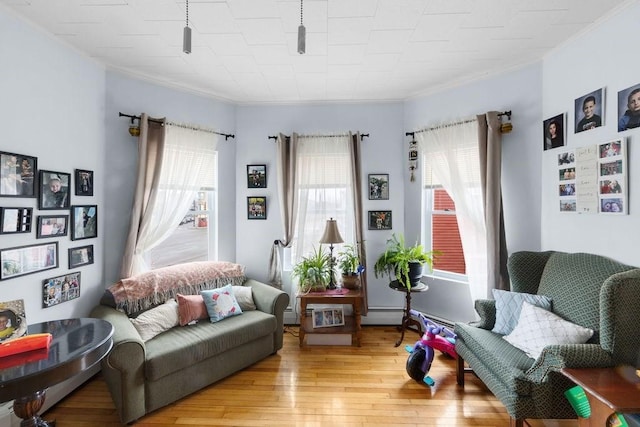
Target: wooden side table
<point>608,390</point>
<point>343,296</point>
<point>407,320</point>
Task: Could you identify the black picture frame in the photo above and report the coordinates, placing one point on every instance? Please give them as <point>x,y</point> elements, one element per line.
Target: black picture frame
<point>22,260</point>
<point>380,220</point>
<point>256,176</point>
<point>257,207</point>
<point>82,255</point>
<point>84,182</point>
<point>627,104</point>
<point>378,186</point>
<point>553,130</point>
<point>84,222</point>
<point>18,175</point>
<point>52,226</point>
<point>15,220</point>
<point>54,190</point>
<point>59,289</point>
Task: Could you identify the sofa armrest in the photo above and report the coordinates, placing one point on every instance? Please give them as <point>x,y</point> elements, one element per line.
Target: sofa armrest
<point>556,357</point>
<point>123,367</point>
<point>273,301</point>
<point>486,309</point>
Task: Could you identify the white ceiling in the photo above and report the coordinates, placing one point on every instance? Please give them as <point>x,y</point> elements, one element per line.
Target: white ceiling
<point>246,50</point>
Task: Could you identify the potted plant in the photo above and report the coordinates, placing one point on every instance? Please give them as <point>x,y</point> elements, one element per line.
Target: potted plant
<point>349,265</point>
<point>404,263</point>
<point>313,272</point>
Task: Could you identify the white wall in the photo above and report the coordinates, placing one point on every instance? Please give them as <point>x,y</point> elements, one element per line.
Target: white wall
<point>600,58</point>
<point>383,152</point>
<point>132,96</point>
<point>520,92</point>
<point>52,108</point>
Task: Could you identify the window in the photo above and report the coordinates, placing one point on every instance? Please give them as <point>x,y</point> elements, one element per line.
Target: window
<point>324,191</point>
<point>194,239</point>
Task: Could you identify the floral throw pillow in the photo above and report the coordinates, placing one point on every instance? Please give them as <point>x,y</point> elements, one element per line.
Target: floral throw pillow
<point>221,303</point>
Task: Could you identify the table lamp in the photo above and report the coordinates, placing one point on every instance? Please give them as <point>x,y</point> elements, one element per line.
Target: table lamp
<point>331,235</point>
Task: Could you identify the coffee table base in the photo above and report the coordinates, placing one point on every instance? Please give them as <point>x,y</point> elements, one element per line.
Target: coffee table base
<point>27,409</point>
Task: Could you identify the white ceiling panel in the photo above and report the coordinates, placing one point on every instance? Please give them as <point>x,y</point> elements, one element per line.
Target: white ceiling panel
<point>246,50</point>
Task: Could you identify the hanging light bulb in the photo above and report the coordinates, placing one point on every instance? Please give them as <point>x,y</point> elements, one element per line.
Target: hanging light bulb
<point>186,34</point>
<point>302,34</point>
<point>134,129</point>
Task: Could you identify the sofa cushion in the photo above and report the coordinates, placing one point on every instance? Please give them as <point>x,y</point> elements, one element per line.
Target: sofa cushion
<point>506,362</point>
<point>191,308</point>
<point>244,295</point>
<point>538,328</point>
<point>157,320</point>
<point>181,347</point>
<point>508,306</point>
<point>221,303</point>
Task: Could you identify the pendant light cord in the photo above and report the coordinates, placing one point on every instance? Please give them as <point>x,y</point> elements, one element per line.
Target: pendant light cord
<point>301,12</point>
<point>188,13</point>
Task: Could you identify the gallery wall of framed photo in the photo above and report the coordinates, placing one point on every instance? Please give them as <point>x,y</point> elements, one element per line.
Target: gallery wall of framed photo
<point>57,213</point>
<point>593,179</point>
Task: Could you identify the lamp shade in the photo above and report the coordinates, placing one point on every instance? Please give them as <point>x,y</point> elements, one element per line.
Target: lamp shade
<point>331,233</point>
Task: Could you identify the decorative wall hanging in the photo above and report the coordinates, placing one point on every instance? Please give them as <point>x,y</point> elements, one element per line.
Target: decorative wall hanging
<point>379,186</point>
<point>84,182</point>
<point>256,176</point>
<point>380,220</point>
<point>256,207</point>
<point>60,289</point>
<point>54,190</point>
<point>23,260</point>
<point>79,256</point>
<point>15,220</point>
<point>413,158</point>
<point>52,226</point>
<point>17,175</point>
<point>629,108</point>
<point>589,111</point>
<point>553,131</point>
<point>84,222</point>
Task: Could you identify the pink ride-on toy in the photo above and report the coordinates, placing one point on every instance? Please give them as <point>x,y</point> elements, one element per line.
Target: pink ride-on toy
<point>435,337</point>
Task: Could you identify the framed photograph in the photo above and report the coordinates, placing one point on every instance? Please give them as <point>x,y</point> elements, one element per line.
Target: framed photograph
<point>53,190</point>
<point>60,289</point>
<point>629,108</point>
<point>13,321</point>
<point>23,260</point>
<point>82,255</point>
<point>553,130</point>
<point>17,175</point>
<point>257,176</point>
<point>327,317</point>
<point>589,111</point>
<point>84,182</point>
<point>84,222</point>
<point>379,186</point>
<point>52,226</point>
<point>380,220</point>
<point>15,220</point>
<point>256,207</point>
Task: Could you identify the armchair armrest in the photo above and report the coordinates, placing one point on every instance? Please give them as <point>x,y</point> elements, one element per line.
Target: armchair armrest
<point>556,357</point>
<point>270,300</point>
<point>486,309</point>
<point>123,368</point>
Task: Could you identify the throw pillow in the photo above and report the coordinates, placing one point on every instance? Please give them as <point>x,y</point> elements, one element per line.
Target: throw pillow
<point>190,308</point>
<point>508,306</point>
<point>157,320</point>
<point>244,295</point>
<point>221,303</point>
<point>538,328</point>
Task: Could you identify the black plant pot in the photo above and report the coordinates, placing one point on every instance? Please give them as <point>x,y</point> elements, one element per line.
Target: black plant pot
<point>415,274</point>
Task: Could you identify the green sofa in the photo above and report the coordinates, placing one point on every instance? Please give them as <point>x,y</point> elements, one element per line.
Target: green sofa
<point>144,376</point>
<point>586,289</point>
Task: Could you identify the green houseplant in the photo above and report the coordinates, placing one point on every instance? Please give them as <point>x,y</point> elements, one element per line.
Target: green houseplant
<point>313,272</point>
<point>349,265</point>
<point>402,262</point>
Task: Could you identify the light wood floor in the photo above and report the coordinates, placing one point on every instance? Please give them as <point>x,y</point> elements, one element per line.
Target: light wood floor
<point>315,386</point>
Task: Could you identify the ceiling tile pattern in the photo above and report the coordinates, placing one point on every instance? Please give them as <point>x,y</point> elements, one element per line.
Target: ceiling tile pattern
<point>245,51</point>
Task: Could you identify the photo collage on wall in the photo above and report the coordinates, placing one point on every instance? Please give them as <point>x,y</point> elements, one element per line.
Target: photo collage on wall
<point>593,179</point>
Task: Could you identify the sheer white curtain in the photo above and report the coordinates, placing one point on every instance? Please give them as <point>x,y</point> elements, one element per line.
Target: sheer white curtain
<point>325,189</point>
<point>188,164</point>
<point>452,153</point>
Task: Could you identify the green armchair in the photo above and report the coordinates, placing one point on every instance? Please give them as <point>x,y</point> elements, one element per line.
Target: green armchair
<point>588,290</point>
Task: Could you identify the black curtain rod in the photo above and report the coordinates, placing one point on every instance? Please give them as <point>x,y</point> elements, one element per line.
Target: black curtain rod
<point>226,135</point>
<point>504,113</point>
<point>363,135</point>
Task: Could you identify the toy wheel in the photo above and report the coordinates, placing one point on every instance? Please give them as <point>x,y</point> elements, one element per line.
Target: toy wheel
<point>414,364</point>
